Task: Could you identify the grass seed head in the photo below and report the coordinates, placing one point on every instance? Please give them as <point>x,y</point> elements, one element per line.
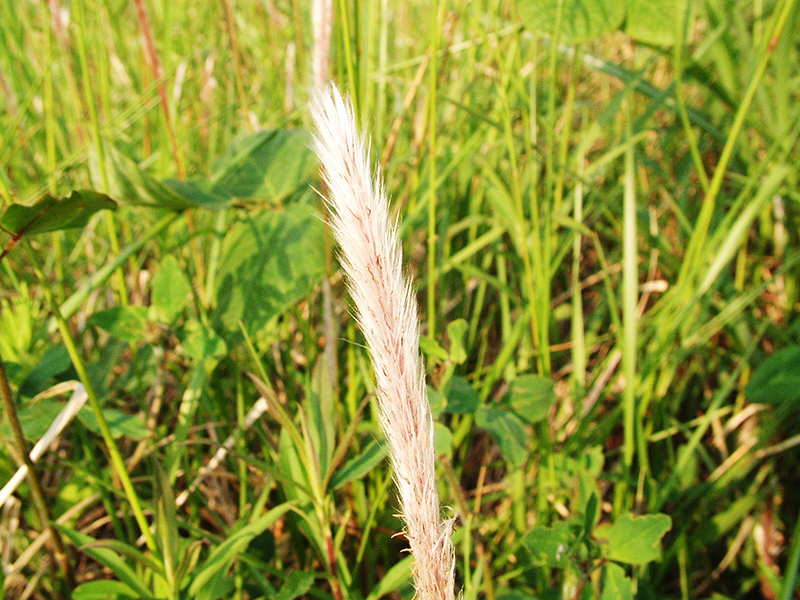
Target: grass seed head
<point>387,313</point>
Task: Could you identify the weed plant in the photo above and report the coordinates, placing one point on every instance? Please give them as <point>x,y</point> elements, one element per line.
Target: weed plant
<point>599,206</point>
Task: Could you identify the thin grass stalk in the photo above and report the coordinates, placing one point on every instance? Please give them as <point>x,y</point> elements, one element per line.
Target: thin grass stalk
<point>681,25</point>
<point>63,419</point>
<point>630,283</point>
<point>300,46</point>
<point>50,140</point>
<point>322,25</point>
<point>155,67</point>
<point>793,565</point>
<point>80,29</point>
<point>578,324</point>
<point>550,185</point>
<point>433,81</point>
<point>387,313</point>
<point>532,268</point>
<point>117,463</point>
<point>698,238</point>
<point>238,71</point>
<point>349,60</point>
<point>59,555</point>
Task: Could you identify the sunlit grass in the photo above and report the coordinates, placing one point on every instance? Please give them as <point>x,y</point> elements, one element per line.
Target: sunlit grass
<point>603,236</point>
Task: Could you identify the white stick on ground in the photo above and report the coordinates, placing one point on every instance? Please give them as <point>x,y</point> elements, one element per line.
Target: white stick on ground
<point>259,408</point>
<point>66,415</point>
<point>387,313</point>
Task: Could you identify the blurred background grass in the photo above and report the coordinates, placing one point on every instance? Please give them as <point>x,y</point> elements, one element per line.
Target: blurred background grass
<point>605,198</point>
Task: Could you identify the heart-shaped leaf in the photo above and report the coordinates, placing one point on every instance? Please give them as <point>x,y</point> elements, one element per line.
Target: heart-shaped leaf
<point>530,397</point>
<point>127,323</point>
<point>508,431</point>
<point>634,540</point>
<point>267,165</point>
<point>268,262</point>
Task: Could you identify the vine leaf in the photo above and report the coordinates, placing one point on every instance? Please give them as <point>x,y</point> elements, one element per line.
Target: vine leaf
<point>54,213</point>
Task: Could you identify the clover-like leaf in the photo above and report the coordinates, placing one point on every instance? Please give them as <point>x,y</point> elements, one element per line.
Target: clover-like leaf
<point>616,586</point>
<point>552,546</point>
<point>508,431</point>
<point>530,397</point>
<point>634,540</point>
<point>171,291</point>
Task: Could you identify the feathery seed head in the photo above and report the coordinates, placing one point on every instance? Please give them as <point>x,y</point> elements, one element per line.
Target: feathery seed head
<point>387,313</point>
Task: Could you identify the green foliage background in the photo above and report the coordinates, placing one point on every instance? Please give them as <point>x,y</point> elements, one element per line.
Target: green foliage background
<point>598,203</point>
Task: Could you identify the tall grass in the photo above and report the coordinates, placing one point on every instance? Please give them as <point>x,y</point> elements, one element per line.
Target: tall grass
<point>603,236</point>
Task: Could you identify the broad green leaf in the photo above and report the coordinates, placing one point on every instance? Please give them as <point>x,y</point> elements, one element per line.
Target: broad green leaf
<point>297,583</point>
<point>199,341</point>
<point>167,525</point>
<point>70,494</point>
<point>530,397</point>
<point>219,587</point>
<point>222,556</point>
<point>121,424</point>
<point>171,291</point>
<point>551,546</point>
<point>104,590</point>
<point>591,510</point>
<point>634,540</point>
<point>263,546</point>
<point>359,466</point>
<point>651,21</point>
<point>443,439</point>
<point>108,558</point>
<point>55,362</point>
<point>35,419</point>
<point>295,476</point>
<point>12,369</point>
<point>128,323</point>
<point>437,401</point>
<point>268,165</point>
<point>200,192</point>
<point>269,262</point>
<point>129,184</point>
<point>129,552</point>
<point>432,349</point>
<point>581,20</point>
<point>456,330</point>
<point>462,399</point>
<point>321,411</point>
<point>394,578</point>
<point>616,585</point>
<point>507,430</point>
<point>52,213</point>
<point>777,379</point>
<point>592,460</point>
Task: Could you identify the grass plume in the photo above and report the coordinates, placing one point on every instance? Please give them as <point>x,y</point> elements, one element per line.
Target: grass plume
<point>388,315</point>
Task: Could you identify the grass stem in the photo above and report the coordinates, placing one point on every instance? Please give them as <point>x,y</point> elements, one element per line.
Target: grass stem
<point>40,502</point>
<point>117,463</point>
